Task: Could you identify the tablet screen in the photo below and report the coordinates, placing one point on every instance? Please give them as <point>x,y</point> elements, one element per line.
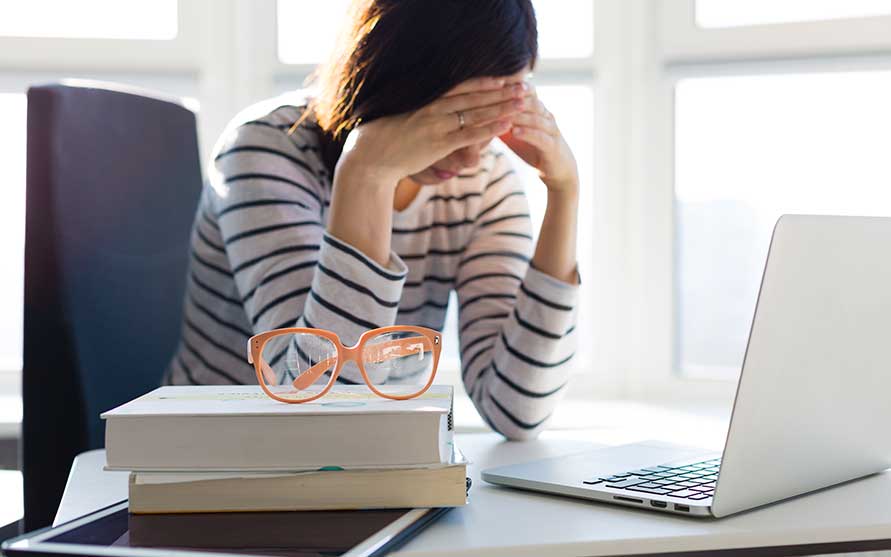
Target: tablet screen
<point>296,534</point>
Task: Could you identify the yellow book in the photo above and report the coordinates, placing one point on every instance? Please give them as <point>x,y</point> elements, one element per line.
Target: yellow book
<point>387,488</point>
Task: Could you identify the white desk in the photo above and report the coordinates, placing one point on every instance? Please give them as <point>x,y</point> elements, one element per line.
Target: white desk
<point>504,522</point>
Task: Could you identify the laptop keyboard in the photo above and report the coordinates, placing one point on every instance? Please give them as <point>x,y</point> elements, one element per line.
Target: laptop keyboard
<point>694,481</point>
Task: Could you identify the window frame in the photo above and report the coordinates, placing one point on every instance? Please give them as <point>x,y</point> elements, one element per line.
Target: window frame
<point>686,42</point>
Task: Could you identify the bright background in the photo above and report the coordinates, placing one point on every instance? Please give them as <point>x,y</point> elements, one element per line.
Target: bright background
<point>695,124</point>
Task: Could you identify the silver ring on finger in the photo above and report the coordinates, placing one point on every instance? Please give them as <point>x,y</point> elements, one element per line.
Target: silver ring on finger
<point>460,120</point>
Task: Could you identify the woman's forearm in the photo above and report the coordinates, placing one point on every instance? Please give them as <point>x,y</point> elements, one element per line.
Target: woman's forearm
<point>555,253</point>
<point>362,211</point>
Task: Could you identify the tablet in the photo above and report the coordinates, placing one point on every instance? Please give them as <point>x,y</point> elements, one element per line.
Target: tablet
<point>113,532</point>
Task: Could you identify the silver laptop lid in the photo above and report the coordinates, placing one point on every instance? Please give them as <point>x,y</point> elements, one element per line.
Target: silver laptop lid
<point>813,406</point>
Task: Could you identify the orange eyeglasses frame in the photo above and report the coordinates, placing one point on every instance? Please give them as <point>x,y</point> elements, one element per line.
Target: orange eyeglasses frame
<point>379,352</point>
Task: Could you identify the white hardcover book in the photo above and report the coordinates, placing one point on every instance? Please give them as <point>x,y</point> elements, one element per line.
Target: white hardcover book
<point>223,428</point>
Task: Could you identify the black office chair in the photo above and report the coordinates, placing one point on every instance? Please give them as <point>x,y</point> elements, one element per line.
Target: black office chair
<point>113,180</point>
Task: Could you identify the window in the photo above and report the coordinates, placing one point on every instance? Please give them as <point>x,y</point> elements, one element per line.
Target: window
<point>825,152</point>
<point>307,28</point>
<point>723,13</point>
<point>99,19</point>
<point>12,228</point>
<point>565,28</point>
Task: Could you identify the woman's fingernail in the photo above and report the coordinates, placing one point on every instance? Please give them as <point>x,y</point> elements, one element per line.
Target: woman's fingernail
<point>519,103</point>
<point>517,131</point>
<point>499,82</point>
<point>518,88</point>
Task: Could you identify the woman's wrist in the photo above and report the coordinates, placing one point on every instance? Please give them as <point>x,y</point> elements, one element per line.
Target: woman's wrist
<point>565,184</point>
<point>362,209</point>
<point>555,251</point>
<point>564,194</point>
<point>352,173</point>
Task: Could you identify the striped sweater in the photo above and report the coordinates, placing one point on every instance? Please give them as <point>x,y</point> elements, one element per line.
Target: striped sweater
<point>261,259</point>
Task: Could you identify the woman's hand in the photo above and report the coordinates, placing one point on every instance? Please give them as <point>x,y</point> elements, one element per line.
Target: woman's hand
<point>537,140</point>
<point>393,147</point>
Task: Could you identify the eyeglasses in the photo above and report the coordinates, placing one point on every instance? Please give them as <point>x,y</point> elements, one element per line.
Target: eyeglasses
<point>300,365</point>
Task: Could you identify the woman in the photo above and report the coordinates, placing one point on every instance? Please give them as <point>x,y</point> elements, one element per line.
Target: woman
<point>368,203</point>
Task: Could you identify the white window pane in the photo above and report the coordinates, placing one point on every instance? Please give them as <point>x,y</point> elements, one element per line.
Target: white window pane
<point>748,150</point>
<point>12,228</point>
<point>307,29</point>
<point>565,28</point>
<point>103,19</point>
<point>12,504</point>
<point>730,13</point>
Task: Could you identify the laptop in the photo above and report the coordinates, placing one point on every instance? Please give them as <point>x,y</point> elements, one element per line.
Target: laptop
<point>812,406</point>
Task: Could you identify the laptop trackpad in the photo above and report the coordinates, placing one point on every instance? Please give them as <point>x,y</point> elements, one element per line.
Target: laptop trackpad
<point>604,462</point>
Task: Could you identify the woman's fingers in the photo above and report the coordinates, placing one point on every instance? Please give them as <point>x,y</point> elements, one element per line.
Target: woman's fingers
<point>536,120</point>
<point>476,134</point>
<point>467,101</point>
<point>534,136</point>
<point>486,114</point>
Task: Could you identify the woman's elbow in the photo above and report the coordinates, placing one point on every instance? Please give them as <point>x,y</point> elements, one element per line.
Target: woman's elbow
<point>519,432</point>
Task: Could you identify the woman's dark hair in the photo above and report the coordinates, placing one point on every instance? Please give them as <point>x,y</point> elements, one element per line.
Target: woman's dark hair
<point>395,56</point>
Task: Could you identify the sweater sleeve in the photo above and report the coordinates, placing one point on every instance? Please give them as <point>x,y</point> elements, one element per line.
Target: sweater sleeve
<point>288,270</point>
<point>516,322</point>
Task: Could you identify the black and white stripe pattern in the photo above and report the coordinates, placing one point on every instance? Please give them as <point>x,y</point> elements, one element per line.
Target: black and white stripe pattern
<point>261,259</point>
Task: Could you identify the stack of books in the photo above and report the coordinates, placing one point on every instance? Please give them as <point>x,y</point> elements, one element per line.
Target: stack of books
<point>233,449</point>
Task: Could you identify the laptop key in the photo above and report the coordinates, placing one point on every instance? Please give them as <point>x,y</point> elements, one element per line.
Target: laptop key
<point>684,493</point>
<point>655,491</point>
<point>625,483</point>
<point>699,497</point>
<point>703,489</point>
<point>642,472</point>
<point>593,481</point>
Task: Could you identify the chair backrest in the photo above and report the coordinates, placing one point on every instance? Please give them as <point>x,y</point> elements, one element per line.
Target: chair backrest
<point>113,180</point>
